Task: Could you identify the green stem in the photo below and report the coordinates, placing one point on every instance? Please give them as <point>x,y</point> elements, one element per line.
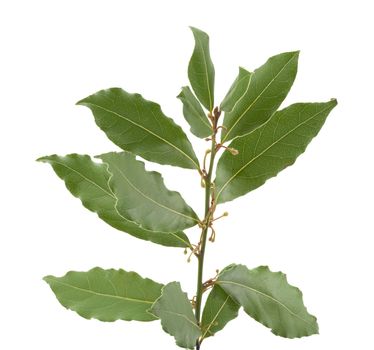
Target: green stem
<point>208,213</point>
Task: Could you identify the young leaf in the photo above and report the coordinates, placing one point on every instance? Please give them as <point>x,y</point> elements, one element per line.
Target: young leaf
<point>107,295</point>
<point>88,181</point>
<point>143,198</point>
<point>177,318</point>
<point>269,149</point>
<point>237,90</point>
<point>201,70</point>
<point>219,309</point>
<point>194,114</point>
<point>269,299</point>
<point>268,87</point>
<point>139,126</point>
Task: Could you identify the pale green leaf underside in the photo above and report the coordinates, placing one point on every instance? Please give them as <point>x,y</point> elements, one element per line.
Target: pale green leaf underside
<point>106,295</point>
<point>265,91</point>
<point>219,309</point>
<point>143,198</point>
<point>201,70</point>
<point>194,114</point>
<point>139,126</point>
<point>269,149</point>
<point>237,90</point>
<point>176,314</point>
<point>269,299</point>
<point>88,180</point>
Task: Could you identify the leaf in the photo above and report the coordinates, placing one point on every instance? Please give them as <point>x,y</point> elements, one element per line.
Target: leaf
<point>201,70</point>
<point>269,299</point>
<point>106,295</point>
<point>269,85</point>
<point>177,318</point>
<point>194,114</point>
<point>237,90</point>
<point>88,181</point>
<point>269,149</point>
<point>143,198</point>
<point>218,311</point>
<point>139,126</point>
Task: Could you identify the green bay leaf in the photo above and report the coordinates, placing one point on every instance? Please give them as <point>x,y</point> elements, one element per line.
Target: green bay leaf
<point>269,149</point>
<point>194,114</point>
<point>143,198</point>
<point>139,126</point>
<point>177,318</point>
<point>106,295</point>
<point>88,180</point>
<point>201,70</point>
<point>267,297</point>
<point>267,88</point>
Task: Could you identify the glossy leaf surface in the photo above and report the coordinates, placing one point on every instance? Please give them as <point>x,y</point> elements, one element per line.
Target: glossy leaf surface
<point>219,309</point>
<point>237,90</point>
<point>88,180</point>
<point>194,114</point>
<point>107,295</point>
<point>269,299</point>
<point>143,198</point>
<point>177,318</point>
<point>139,126</point>
<point>201,70</point>
<point>269,149</point>
<point>267,88</point>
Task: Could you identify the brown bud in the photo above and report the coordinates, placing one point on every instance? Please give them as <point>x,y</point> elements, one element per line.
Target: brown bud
<point>233,151</point>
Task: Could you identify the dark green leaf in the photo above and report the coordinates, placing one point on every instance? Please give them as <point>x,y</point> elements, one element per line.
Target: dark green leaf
<point>107,295</point>
<point>218,311</point>
<point>177,318</point>
<point>269,149</point>
<point>201,70</point>
<point>139,126</point>
<point>194,114</point>
<point>269,299</point>
<point>143,198</point>
<point>237,90</point>
<point>269,85</point>
<point>88,181</point>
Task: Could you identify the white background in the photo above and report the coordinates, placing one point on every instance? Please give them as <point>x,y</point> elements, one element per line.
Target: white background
<point>314,221</point>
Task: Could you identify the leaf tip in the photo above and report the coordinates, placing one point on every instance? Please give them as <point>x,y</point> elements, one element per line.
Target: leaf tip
<point>47,278</point>
<point>41,159</point>
<point>197,31</point>
<point>181,94</point>
<point>334,101</point>
<point>81,102</point>
<point>293,55</point>
<point>46,159</point>
<point>243,70</point>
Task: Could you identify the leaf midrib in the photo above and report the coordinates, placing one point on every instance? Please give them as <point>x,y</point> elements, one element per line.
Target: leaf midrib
<point>203,119</point>
<point>147,130</point>
<point>182,316</point>
<point>206,74</point>
<point>256,99</point>
<point>100,294</point>
<point>266,149</point>
<point>215,317</point>
<point>266,296</point>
